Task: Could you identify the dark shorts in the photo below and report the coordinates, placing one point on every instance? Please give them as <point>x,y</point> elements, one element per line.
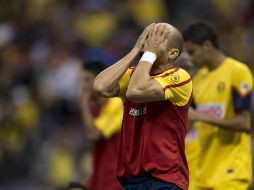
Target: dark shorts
<point>148,183</point>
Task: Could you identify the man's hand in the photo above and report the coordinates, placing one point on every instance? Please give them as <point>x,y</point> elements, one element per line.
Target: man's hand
<point>157,39</point>
<point>142,38</point>
<point>93,134</point>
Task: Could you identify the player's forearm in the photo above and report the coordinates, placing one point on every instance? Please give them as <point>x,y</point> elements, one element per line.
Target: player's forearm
<point>240,122</point>
<point>140,80</point>
<point>108,79</point>
<point>87,116</point>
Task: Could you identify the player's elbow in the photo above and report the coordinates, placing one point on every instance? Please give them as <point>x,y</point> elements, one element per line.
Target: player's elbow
<point>133,95</point>
<point>98,87</point>
<point>244,121</point>
<point>104,91</point>
<point>245,125</point>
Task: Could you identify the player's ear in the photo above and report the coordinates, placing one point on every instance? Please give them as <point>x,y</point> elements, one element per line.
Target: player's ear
<point>173,53</point>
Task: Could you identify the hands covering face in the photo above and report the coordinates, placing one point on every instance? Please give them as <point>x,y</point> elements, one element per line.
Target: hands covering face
<point>142,38</point>
<point>154,38</point>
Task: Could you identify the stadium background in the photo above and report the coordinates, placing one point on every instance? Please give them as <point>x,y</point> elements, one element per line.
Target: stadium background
<point>42,45</point>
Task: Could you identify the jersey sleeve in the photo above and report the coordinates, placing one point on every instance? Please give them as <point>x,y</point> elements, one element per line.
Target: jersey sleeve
<point>124,82</point>
<point>109,120</point>
<point>177,86</point>
<point>242,82</point>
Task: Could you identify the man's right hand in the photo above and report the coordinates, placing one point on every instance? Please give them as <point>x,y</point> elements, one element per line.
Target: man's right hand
<point>142,38</point>
<point>157,39</point>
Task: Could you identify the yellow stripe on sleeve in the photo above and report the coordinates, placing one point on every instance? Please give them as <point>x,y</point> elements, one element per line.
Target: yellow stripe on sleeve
<point>109,121</point>
<point>123,83</point>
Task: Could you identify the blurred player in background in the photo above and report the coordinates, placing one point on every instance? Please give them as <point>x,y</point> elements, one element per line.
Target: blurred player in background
<point>191,140</point>
<point>222,97</point>
<point>156,100</point>
<point>102,118</point>
<point>76,186</point>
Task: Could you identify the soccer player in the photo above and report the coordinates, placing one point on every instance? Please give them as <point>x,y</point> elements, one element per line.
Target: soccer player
<point>156,99</point>
<point>102,118</point>
<point>222,97</point>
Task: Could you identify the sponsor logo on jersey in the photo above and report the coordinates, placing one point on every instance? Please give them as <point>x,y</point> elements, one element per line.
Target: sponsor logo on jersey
<point>138,112</point>
<point>216,109</point>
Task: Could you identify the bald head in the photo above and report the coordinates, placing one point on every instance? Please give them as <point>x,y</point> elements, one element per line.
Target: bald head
<point>175,38</point>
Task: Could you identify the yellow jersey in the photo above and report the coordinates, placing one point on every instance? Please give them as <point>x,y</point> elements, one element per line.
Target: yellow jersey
<point>224,154</point>
<point>192,152</point>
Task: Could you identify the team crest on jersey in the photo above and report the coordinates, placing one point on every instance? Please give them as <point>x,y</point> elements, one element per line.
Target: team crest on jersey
<point>244,87</point>
<point>174,77</point>
<point>221,86</point>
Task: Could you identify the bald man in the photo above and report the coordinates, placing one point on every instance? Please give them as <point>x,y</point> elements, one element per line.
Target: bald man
<point>156,97</point>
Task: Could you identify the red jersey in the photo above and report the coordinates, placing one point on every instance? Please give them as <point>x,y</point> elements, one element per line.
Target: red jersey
<point>104,165</point>
<point>153,133</point>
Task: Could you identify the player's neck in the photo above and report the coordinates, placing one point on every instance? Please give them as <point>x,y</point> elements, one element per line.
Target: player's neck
<point>216,59</point>
<point>161,68</point>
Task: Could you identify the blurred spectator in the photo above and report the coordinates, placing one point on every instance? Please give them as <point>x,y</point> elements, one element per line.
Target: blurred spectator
<point>102,119</point>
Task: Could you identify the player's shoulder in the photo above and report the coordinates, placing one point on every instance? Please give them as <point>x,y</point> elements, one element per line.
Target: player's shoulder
<point>237,65</point>
<point>175,75</point>
<point>184,73</point>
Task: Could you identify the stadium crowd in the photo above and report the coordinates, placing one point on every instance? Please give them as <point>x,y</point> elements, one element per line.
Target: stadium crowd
<point>42,46</point>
